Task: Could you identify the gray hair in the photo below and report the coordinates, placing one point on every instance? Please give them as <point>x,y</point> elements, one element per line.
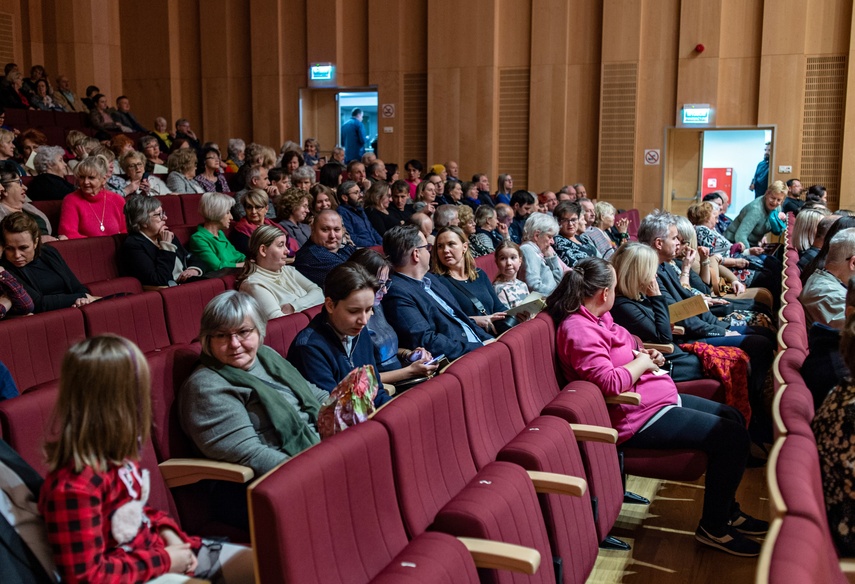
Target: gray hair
<point>303,173</point>
<point>46,156</point>
<point>146,140</point>
<point>234,146</point>
<point>444,215</point>
<point>227,312</point>
<point>655,226</point>
<point>539,222</point>
<point>137,211</point>
<point>97,164</point>
<point>686,231</point>
<point>484,214</point>
<point>842,246</point>
<point>212,206</point>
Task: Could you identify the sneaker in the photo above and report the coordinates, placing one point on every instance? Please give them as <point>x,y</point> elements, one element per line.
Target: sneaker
<point>732,542</point>
<point>747,525</point>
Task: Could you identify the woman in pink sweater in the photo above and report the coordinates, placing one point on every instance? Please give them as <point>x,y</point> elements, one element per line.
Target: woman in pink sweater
<point>91,210</point>
<point>591,347</point>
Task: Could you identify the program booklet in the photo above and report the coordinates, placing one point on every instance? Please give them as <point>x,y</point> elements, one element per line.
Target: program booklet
<point>531,305</point>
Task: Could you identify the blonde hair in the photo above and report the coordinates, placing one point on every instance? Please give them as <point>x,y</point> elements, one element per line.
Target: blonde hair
<point>635,265</point>
<point>603,208</point>
<point>437,267</point>
<point>465,214</point>
<point>778,187</point>
<point>804,230</point>
<point>103,412</point>
<point>264,235</point>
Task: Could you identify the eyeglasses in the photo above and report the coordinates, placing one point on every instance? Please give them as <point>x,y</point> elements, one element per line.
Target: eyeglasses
<point>159,215</point>
<point>427,246</point>
<point>217,158</point>
<point>136,165</point>
<point>256,207</point>
<point>12,182</point>
<point>242,335</point>
<point>385,284</point>
<point>568,220</point>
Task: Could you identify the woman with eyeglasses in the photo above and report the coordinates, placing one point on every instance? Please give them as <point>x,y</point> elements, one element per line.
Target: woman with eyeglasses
<point>151,253</point>
<point>245,403</point>
<point>571,244</point>
<point>210,178</point>
<point>138,181</point>
<point>13,199</point>
<point>397,365</point>
<point>255,204</point>
<point>278,288</point>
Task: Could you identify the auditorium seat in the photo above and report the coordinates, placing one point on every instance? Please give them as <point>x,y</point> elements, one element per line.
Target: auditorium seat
<point>313,311</point>
<point>139,318</point>
<point>634,222</point>
<point>171,205</point>
<point>183,233</point>
<point>32,347</point>
<point>42,119</point>
<point>51,209</point>
<point>439,488</point>
<point>793,409</point>
<point>183,306</point>
<point>315,521</point>
<point>190,208</point>
<point>488,264</point>
<point>282,331</point>
<point>497,431</point>
<point>94,261</point>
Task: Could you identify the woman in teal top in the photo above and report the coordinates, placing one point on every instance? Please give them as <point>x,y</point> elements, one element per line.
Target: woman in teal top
<point>208,243</point>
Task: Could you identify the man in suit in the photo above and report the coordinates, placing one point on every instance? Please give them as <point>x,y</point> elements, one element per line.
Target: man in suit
<point>418,306</point>
<point>353,136</point>
<point>25,555</point>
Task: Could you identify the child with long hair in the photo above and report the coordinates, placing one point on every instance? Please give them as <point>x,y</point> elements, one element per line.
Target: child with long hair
<point>94,497</point>
<point>510,289</point>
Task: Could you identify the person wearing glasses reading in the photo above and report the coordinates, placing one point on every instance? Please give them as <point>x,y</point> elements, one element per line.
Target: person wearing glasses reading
<point>245,403</point>
<point>419,305</point>
<point>151,253</point>
<point>138,183</point>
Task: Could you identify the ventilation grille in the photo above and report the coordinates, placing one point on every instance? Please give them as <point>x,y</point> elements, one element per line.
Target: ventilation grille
<point>514,89</point>
<point>617,132</point>
<point>415,117</point>
<point>822,131</point>
<point>7,38</point>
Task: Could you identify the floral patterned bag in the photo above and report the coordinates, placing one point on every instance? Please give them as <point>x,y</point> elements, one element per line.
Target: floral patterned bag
<point>350,403</point>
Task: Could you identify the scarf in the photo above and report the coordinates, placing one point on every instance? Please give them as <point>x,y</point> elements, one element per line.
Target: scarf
<point>294,434</point>
<point>776,224</point>
<point>729,365</point>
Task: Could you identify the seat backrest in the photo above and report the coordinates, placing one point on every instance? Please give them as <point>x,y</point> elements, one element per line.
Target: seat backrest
<point>90,259</point>
<point>169,369</point>
<point>183,233</point>
<point>171,205</point>
<point>313,311</point>
<point>800,478</point>
<point>533,365</point>
<point>32,347</point>
<point>802,554</point>
<point>488,264</point>
<point>138,318</point>
<point>430,452</point>
<point>634,221</point>
<point>282,331</point>
<point>796,408</point>
<point>51,209</point>
<point>183,306</point>
<point>25,422</point>
<point>329,515</point>
<point>493,417</point>
<point>190,208</point>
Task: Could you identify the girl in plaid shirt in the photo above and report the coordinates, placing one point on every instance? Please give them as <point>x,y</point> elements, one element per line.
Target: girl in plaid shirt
<point>94,497</point>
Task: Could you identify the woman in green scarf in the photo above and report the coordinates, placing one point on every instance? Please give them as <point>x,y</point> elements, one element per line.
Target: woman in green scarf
<point>245,403</point>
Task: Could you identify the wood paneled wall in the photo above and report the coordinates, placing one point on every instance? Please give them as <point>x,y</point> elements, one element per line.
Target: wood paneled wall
<point>238,68</point>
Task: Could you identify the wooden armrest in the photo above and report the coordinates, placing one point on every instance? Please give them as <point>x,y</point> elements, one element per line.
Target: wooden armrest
<point>589,433</point>
<point>628,397</point>
<point>497,555</point>
<point>153,288</point>
<point>557,484</point>
<point>664,348</point>
<point>847,566</point>
<point>776,499</point>
<point>678,330</point>
<point>186,471</point>
<point>390,389</point>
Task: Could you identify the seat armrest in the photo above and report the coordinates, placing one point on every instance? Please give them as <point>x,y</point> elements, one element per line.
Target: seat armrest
<point>678,330</point>
<point>497,555</point>
<point>557,484</point>
<point>178,472</point>
<point>847,566</point>
<point>776,499</point>
<point>589,433</point>
<point>664,348</point>
<point>628,397</point>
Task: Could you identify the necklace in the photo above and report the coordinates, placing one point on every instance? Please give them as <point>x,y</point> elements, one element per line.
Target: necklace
<point>103,212</point>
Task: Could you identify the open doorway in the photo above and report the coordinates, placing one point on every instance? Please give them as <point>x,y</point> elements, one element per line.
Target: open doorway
<point>699,161</point>
<point>367,102</point>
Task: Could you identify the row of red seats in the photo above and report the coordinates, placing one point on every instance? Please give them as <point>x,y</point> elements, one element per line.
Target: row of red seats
<point>798,547</point>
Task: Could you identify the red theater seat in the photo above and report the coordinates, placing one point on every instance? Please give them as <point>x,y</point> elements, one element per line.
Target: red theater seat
<point>488,264</point>
<point>190,208</point>
<point>32,347</point>
<point>282,331</point>
<point>171,205</point>
<point>138,318</point>
<point>183,306</point>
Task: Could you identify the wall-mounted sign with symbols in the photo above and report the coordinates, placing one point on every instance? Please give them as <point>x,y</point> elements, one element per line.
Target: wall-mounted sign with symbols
<point>651,157</point>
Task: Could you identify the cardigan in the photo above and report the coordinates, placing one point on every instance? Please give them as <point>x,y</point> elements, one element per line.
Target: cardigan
<point>273,290</point>
<point>178,183</point>
<point>542,274</point>
<point>215,253</point>
<point>81,215</point>
<point>595,350</point>
<point>318,354</point>
<point>751,224</point>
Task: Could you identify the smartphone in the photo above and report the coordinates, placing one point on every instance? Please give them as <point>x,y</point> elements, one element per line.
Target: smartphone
<point>146,175</point>
<point>415,356</point>
<point>435,360</point>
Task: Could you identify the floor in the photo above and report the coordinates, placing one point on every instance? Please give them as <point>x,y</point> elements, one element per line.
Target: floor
<point>664,549</point>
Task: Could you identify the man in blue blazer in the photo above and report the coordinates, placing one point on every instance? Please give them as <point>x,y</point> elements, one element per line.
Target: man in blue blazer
<point>418,306</point>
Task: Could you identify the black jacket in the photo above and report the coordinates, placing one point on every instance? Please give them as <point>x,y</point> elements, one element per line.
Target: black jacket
<point>49,187</point>
<point>141,259</point>
<point>697,327</point>
<point>45,300</point>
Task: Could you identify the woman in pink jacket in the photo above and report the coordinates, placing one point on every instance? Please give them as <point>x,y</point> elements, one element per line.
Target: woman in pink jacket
<point>591,347</point>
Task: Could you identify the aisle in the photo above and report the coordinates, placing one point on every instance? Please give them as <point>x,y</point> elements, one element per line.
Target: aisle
<point>664,550</point>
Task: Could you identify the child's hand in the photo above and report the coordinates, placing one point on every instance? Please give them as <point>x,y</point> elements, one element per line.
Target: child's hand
<point>182,559</point>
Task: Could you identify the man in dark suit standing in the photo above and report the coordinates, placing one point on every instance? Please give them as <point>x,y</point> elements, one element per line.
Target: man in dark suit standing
<point>418,306</point>
<point>353,136</point>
